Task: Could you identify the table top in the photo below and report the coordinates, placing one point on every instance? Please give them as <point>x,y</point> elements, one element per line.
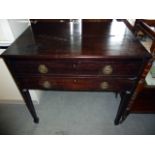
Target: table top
<point>77,40</point>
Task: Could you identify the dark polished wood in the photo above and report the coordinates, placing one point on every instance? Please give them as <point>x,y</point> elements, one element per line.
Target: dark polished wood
<point>78,56</point>
<point>27,98</point>
<point>90,40</point>
<point>71,67</point>
<point>36,21</point>
<point>144,102</point>
<point>77,83</point>
<point>141,101</point>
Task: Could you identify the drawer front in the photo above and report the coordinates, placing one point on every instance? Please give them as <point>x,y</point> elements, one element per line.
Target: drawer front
<point>79,67</point>
<point>71,83</point>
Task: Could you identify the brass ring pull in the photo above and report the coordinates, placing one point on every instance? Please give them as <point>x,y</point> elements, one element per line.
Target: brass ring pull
<point>107,70</point>
<point>46,84</point>
<point>42,68</point>
<point>104,85</point>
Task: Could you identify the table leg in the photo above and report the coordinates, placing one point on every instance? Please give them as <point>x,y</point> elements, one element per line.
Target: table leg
<point>122,113</point>
<point>27,98</point>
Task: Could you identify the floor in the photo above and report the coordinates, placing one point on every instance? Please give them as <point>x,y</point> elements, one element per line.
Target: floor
<point>73,113</point>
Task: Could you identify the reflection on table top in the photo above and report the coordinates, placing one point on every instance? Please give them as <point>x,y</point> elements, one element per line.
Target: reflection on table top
<point>77,40</point>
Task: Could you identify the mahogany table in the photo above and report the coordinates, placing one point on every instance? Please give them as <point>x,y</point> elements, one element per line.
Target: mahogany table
<point>74,56</point>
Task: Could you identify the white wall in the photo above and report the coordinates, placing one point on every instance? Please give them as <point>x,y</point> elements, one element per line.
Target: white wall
<point>18,26</point>
<point>6,35</point>
<point>9,31</point>
<point>8,90</point>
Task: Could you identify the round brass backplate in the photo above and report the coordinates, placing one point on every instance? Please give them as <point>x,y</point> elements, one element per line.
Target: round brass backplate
<point>107,70</point>
<point>42,69</point>
<point>104,85</point>
<point>46,84</point>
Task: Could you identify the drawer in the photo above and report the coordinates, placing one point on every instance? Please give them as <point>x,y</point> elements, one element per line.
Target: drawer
<point>74,83</point>
<point>76,67</point>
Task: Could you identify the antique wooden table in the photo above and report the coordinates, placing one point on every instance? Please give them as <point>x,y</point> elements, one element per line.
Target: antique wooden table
<point>72,56</point>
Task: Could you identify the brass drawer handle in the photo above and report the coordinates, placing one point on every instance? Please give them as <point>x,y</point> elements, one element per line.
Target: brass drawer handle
<point>46,84</point>
<point>43,69</point>
<point>104,85</point>
<point>107,70</point>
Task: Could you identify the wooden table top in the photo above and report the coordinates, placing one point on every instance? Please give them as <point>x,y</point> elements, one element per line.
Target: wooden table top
<point>77,40</point>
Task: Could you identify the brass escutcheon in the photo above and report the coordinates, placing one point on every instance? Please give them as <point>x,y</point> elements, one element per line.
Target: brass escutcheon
<point>104,85</point>
<point>46,84</point>
<point>107,70</point>
<point>42,68</point>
